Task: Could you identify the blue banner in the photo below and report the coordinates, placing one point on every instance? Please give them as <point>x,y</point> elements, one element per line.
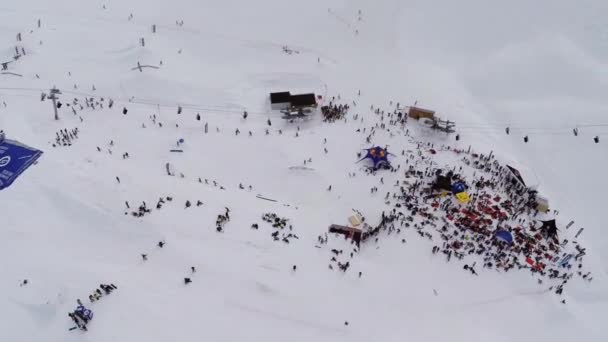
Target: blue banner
<point>14,159</point>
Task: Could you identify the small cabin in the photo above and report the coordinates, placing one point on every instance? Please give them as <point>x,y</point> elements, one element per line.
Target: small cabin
<point>280,100</point>
<point>303,101</point>
<point>419,113</point>
<point>352,233</point>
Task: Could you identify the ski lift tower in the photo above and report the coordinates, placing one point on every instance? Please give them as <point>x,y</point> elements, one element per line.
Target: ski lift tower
<point>53,96</point>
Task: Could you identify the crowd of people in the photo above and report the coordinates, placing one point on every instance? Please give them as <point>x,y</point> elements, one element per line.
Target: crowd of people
<point>279,223</point>
<point>417,203</point>
<point>82,316</point>
<point>222,220</point>
<point>65,138</point>
<point>103,289</point>
<point>333,112</point>
<point>465,231</point>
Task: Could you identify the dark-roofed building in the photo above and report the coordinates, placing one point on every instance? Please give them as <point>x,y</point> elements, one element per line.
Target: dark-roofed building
<point>303,100</point>
<point>353,233</point>
<point>280,100</point>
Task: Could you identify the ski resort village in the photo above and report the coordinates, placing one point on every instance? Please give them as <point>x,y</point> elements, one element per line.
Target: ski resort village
<point>303,171</point>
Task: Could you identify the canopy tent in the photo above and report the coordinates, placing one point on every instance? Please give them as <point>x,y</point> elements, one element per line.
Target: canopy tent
<point>463,197</point>
<point>549,228</point>
<point>378,155</point>
<point>505,236</point>
<point>522,176</point>
<point>442,183</point>
<point>458,187</point>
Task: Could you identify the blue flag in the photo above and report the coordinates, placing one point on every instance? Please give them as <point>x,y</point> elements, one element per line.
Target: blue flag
<point>14,159</point>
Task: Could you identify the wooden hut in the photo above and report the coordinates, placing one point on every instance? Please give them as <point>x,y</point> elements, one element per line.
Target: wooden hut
<point>418,113</point>
<point>350,232</point>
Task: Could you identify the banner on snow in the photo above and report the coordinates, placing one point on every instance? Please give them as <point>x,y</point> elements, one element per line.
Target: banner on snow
<point>15,158</point>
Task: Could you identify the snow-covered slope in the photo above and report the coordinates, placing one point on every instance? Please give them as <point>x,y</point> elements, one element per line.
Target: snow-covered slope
<point>539,68</point>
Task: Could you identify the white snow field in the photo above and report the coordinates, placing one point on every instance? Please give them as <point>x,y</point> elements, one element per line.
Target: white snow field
<point>538,67</point>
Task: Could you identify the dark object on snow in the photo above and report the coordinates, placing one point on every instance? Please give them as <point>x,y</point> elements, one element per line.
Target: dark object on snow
<point>596,139</point>
<point>161,244</point>
<point>187,281</point>
<point>303,100</point>
<point>124,110</point>
<point>350,232</point>
<point>549,229</point>
<point>280,100</point>
<point>442,183</point>
<point>526,139</point>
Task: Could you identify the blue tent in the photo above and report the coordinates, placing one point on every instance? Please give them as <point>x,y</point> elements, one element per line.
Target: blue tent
<point>458,187</point>
<point>378,155</point>
<point>505,236</point>
<point>15,158</point>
